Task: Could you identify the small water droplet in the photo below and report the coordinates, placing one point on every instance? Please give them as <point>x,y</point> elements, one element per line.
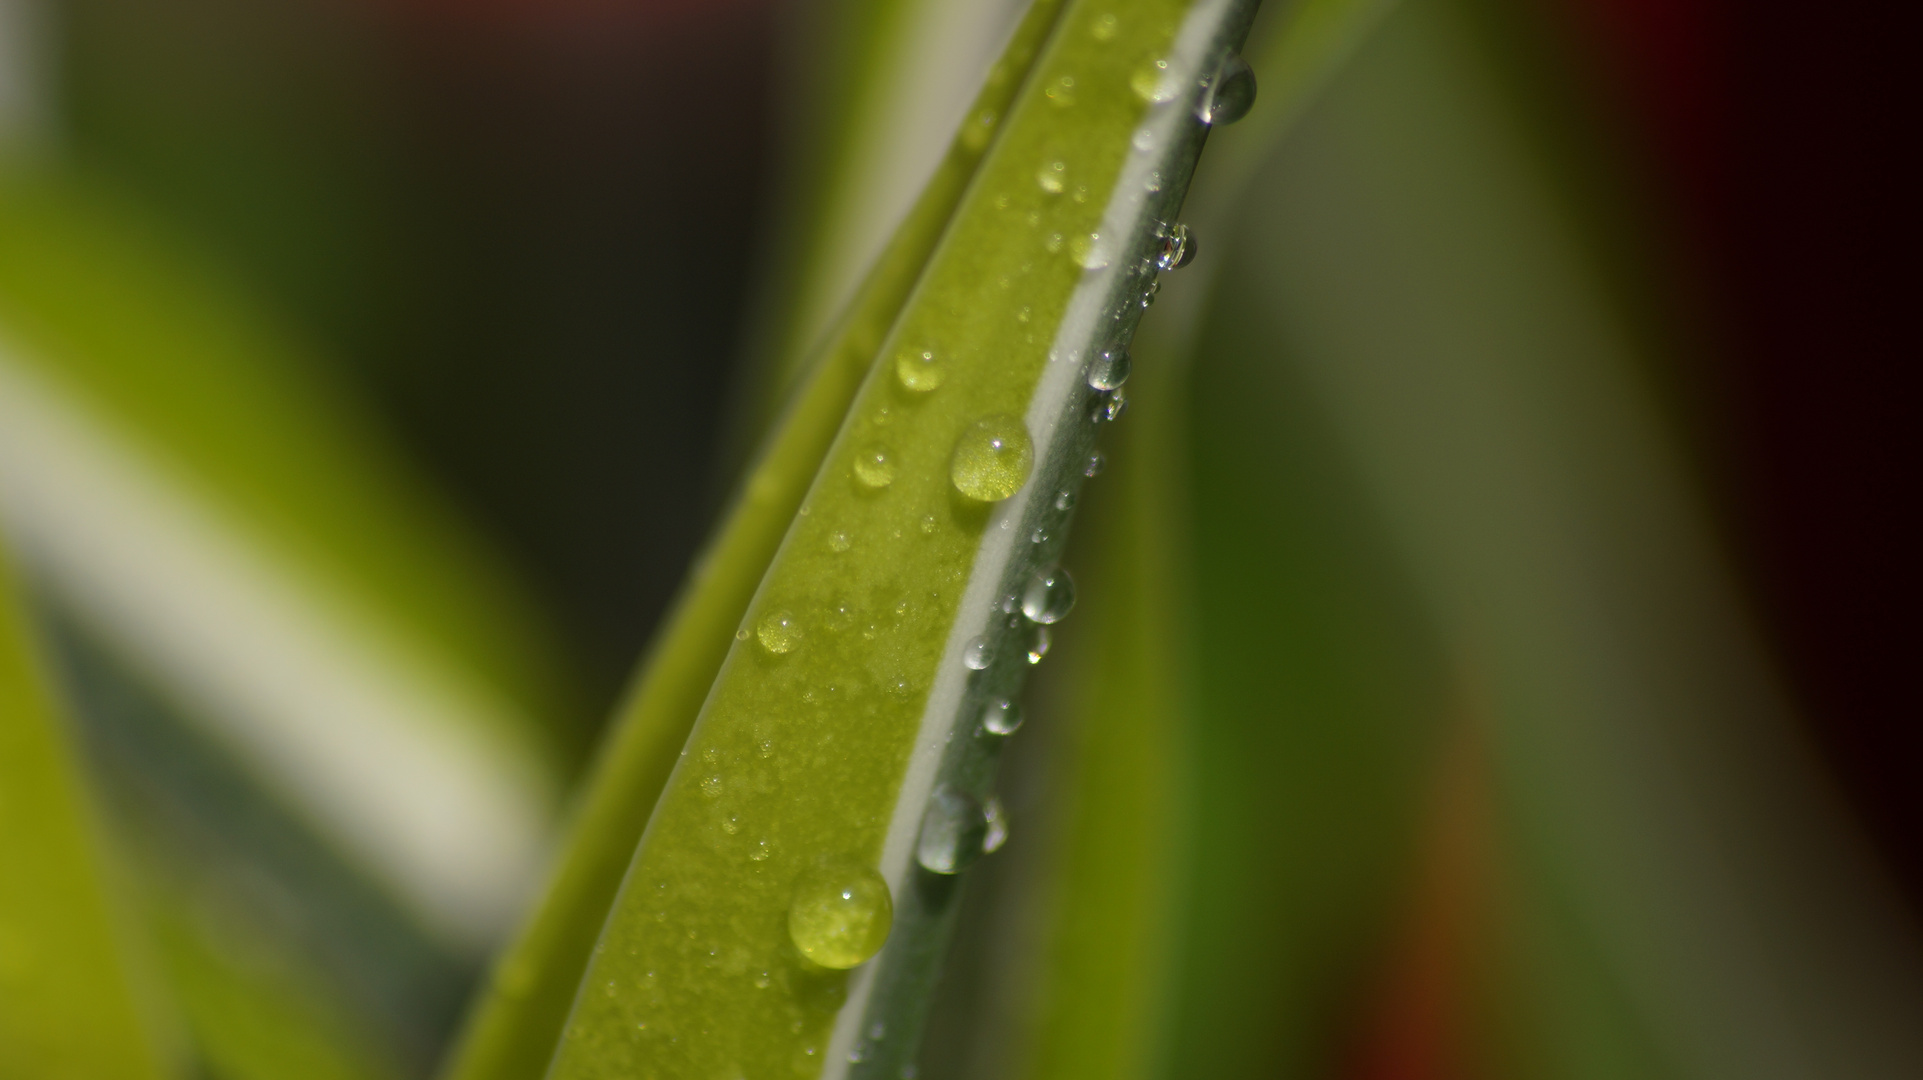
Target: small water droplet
<point>1104,28</point>
<point>1061,92</point>
<point>952,829</point>
<point>1053,177</point>
<point>919,370</point>
<point>840,914</point>
<point>928,524</point>
<point>731,824</point>
<point>839,540</point>
<point>1038,643</point>
<point>711,786</point>
<point>1002,717</point>
<point>1144,139</point>
<point>975,654</point>
<point>779,632</point>
<point>1150,82</point>
<point>1110,369</point>
<point>1049,596</point>
<point>1232,95</point>
<point>764,980</point>
<point>875,467</point>
<point>1088,251</point>
<point>997,826</point>
<point>763,848</point>
<point>979,127</point>
<point>1011,603</point>
<point>1097,461</point>
<point>741,634</point>
<point>1039,536</point>
<point>992,459</point>
<point>1110,406</point>
<point>1064,500</point>
<point>1154,181</point>
<point>1053,243</point>
<point>1178,248</point>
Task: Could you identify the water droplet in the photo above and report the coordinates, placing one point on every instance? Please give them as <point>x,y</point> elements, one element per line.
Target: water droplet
<point>952,829</point>
<point>992,459</point>
<point>1097,461</point>
<point>1109,370</point>
<point>1150,83</point>
<point>1154,181</point>
<point>979,127</point>
<point>1088,251</point>
<point>1104,28</point>
<point>1144,139</point>
<point>1038,643</point>
<point>711,786</point>
<point>919,370</point>
<point>839,540</point>
<point>1110,406</point>
<point>928,524</point>
<point>875,467</point>
<point>1039,536</point>
<point>1049,596</point>
<point>1002,717</point>
<point>975,654</point>
<point>1233,93</point>
<point>764,980</point>
<point>1178,248</point>
<point>763,848</point>
<point>779,632</point>
<point>731,824</point>
<point>840,914</point>
<point>997,826</point>
<point>1053,177</point>
<point>1053,243</point>
<point>1064,500</point>
<point>1061,92</point>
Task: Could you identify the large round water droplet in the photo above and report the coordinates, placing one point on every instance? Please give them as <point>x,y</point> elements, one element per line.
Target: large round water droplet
<point>1178,248</point>
<point>992,459</point>
<point>874,467</point>
<point>1110,369</point>
<point>1049,596</point>
<point>779,632</point>
<point>1232,95</point>
<point>952,831</point>
<point>841,913</point>
<point>1001,717</point>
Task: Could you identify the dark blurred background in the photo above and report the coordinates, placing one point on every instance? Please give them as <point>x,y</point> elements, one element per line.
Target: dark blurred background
<point>533,233</point>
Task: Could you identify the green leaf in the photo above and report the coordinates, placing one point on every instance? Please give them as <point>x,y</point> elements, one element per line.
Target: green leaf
<point>67,1003</point>
<point>514,1029</point>
<point>883,628</point>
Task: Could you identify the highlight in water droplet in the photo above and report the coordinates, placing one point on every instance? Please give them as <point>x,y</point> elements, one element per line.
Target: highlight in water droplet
<point>952,830</point>
<point>975,654</point>
<point>1039,641</point>
<point>992,458</point>
<point>1002,717</point>
<point>919,370</point>
<point>1049,596</point>
<point>997,834</point>
<point>1109,369</point>
<point>1178,248</point>
<point>841,913</point>
<point>1232,94</point>
<point>874,467</point>
<point>779,632</point>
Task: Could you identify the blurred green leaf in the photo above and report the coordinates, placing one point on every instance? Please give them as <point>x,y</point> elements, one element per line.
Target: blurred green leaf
<point>67,1001</point>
